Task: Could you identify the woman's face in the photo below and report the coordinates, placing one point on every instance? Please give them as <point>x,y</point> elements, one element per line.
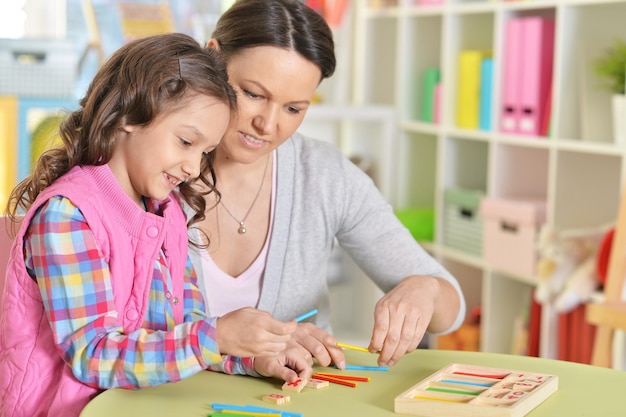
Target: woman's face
<point>274,90</point>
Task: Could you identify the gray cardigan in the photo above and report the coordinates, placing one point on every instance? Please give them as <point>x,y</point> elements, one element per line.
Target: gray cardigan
<point>321,196</point>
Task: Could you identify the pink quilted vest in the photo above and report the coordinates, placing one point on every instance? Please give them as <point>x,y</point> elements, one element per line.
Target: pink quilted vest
<point>34,380</point>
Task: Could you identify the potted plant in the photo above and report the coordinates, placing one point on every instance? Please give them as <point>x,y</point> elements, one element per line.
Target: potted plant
<point>610,68</point>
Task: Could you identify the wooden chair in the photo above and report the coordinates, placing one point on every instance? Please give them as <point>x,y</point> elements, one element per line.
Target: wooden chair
<point>611,313</point>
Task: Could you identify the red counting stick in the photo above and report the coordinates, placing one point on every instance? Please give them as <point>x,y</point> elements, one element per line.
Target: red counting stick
<point>335,380</point>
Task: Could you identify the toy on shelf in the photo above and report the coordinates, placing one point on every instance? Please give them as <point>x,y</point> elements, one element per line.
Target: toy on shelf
<point>567,268</point>
<point>466,390</point>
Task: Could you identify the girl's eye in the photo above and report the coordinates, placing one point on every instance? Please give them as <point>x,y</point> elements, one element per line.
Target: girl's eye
<point>185,142</point>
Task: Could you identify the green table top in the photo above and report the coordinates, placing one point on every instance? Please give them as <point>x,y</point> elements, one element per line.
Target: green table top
<point>584,390</point>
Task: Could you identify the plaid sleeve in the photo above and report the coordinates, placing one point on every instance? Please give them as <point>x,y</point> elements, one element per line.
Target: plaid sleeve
<point>195,309</point>
<point>235,366</point>
<point>73,278</point>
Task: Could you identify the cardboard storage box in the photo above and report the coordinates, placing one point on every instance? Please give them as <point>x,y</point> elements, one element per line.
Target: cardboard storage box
<point>510,232</point>
<point>463,227</point>
<point>38,67</point>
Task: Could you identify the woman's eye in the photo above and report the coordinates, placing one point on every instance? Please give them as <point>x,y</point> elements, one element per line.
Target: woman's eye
<point>185,142</point>
<point>250,94</point>
<point>293,110</point>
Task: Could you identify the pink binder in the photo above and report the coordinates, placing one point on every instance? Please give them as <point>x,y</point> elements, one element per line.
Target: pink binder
<point>437,103</point>
<point>536,74</point>
<point>509,118</point>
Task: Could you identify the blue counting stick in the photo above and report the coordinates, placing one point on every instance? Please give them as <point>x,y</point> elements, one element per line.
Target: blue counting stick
<point>306,315</point>
<point>366,368</point>
<point>454,381</point>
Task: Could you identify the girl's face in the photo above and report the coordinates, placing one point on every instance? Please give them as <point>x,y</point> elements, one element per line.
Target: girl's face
<point>274,89</point>
<point>152,161</point>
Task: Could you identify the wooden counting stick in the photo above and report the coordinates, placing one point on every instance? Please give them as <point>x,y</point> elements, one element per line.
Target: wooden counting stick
<point>296,386</point>
<point>317,383</point>
<point>276,398</point>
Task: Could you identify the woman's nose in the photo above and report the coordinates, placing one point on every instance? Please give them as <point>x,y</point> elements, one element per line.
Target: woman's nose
<point>267,120</point>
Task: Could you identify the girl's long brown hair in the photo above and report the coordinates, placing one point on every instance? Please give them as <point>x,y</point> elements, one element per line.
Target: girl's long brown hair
<point>140,81</point>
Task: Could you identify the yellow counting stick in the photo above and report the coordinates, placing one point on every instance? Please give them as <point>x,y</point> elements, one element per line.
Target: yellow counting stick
<point>346,346</point>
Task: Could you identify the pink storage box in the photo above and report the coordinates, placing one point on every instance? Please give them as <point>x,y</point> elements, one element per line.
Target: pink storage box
<point>510,229</point>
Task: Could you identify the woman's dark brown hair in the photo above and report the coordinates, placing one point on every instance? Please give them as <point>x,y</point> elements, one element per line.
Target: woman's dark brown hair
<point>288,24</point>
<point>140,81</point>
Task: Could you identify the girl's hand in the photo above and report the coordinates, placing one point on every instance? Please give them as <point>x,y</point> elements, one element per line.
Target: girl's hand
<point>289,365</point>
<point>251,332</point>
<point>318,343</point>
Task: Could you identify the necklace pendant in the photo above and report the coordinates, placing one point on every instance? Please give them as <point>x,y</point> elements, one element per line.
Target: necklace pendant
<point>242,228</point>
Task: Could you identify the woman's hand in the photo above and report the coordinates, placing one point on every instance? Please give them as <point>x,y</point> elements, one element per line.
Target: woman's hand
<point>318,343</point>
<point>289,365</point>
<point>252,332</point>
<point>402,316</point>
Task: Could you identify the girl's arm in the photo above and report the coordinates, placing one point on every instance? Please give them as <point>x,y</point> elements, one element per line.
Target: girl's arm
<point>62,253</point>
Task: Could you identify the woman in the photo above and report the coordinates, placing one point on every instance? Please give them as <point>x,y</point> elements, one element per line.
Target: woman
<point>285,198</point>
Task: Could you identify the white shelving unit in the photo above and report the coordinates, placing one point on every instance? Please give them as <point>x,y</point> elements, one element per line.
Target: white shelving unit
<point>577,169</point>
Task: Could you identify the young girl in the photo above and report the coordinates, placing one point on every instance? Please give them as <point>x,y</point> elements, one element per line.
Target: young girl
<point>286,198</point>
<point>100,292</point>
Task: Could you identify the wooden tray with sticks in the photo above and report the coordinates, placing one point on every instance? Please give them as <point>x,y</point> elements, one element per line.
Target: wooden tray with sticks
<point>459,390</point>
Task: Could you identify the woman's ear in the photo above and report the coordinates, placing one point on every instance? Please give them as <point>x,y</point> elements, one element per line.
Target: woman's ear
<point>213,44</point>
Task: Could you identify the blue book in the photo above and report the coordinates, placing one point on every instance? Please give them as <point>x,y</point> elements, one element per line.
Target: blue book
<point>485,97</point>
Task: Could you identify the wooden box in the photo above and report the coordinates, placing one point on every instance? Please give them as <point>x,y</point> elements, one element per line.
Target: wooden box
<point>459,390</point>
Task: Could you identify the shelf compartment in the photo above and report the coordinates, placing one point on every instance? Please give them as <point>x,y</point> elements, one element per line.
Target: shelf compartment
<point>417,156</point>
<point>379,53</point>
<point>519,172</point>
<point>587,189</point>
<point>422,58</point>
<point>508,303</point>
<point>583,107</point>
<point>463,32</point>
<point>465,164</point>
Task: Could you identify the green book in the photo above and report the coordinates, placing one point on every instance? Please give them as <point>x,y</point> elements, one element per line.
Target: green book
<point>430,79</point>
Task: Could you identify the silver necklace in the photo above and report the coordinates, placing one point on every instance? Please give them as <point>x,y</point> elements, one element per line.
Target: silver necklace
<point>242,223</point>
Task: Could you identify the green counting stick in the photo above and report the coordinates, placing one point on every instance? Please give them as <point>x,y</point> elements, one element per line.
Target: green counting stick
<point>226,414</point>
<point>451,391</point>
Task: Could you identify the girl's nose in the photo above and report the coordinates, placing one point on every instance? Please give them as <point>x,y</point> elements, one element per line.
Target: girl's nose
<point>191,168</point>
